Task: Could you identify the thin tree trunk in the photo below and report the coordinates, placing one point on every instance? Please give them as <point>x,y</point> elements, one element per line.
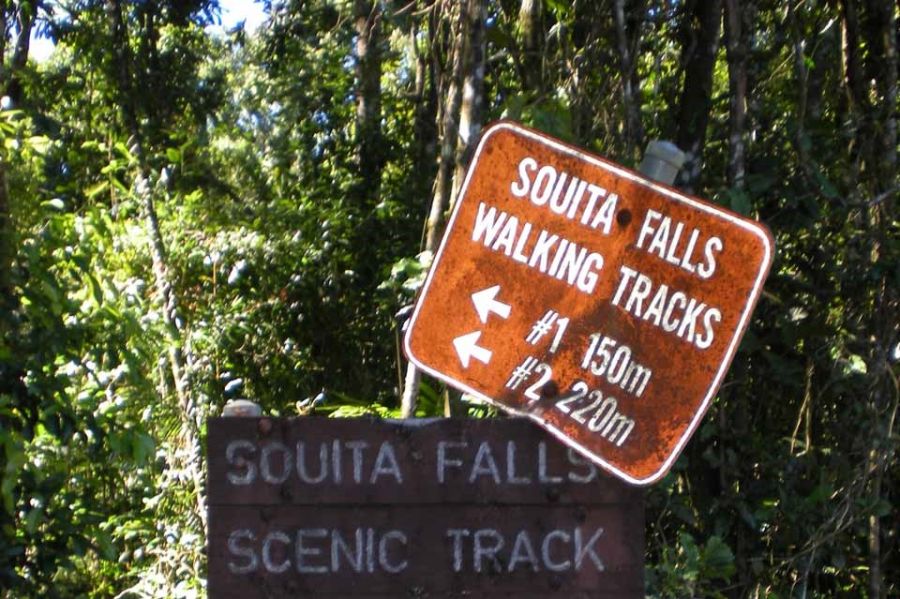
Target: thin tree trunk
<point>471,109</point>
<point>4,31</point>
<point>531,32</point>
<point>158,255</point>
<point>448,133</point>
<point>736,26</point>
<point>444,180</point>
<point>881,68</point>
<point>801,72</point>
<point>700,44</point>
<point>585,37</point>
<point>882,39</point>
<point>424,113</point>
<point>7,249</point>
<point>25,13</point>
<point>367,17</point>
<point>851,63</point>
<point>700,33</point>
<point>470,115</point>
<point>627,41</point>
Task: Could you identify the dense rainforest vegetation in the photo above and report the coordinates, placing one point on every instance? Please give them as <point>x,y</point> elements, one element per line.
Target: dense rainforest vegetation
<point>188,217</point>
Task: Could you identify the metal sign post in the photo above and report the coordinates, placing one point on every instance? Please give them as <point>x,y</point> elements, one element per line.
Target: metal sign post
<point>601,304</point>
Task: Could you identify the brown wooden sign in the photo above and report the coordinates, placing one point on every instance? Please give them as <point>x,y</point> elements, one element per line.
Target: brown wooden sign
<point>604,306</point>
<point>315,507</point>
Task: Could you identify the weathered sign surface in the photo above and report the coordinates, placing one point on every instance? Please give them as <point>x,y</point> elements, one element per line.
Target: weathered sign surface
<point>315,507</point>
<point>602,305</point>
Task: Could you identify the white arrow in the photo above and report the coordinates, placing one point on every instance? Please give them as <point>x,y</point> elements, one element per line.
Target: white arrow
<point>467,348</point>
<point>485,303</point>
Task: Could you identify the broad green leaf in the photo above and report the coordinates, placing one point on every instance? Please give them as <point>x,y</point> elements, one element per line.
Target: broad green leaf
<point>54,204</point>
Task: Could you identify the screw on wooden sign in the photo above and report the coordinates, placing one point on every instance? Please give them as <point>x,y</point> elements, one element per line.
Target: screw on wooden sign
<point>315,507</point>
<point>604,306</point>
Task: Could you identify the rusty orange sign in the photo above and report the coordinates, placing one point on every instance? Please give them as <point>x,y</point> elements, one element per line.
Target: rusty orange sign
<point>604,306</point>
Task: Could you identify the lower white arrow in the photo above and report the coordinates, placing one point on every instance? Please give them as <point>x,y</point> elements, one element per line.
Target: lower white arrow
<point>467,348</point>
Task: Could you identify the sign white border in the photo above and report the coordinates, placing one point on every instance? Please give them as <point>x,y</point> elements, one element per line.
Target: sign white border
<point>750,226</point>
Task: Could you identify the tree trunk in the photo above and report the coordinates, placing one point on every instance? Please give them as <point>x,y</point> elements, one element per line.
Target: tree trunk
<point>449,130</point>
<point>424,114</point>
<point>443,184</point>
<point>628,42</point>
<point>880,26</point>
<point>171,319</point>
<point>472,107</point>
<point>700,44</point>
<point>586,37</point>
<point>25,13</point>
<point>7,248</point>
<point>531,32</point>
<point>736,26</point>
<point>367,18</point>
<point>882,70</point>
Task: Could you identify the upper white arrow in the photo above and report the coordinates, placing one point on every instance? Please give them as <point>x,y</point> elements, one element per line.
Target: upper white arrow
<point>485,303</point>
<point>467,348</point>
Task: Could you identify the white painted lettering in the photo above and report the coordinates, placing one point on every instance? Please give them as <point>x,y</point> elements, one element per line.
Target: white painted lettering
<point>511,476</point>
<point>714,245</point>
<point>270,565</point>
<point>487,543</point>
<point>235,548</point>
<point>457,535</point>
<point>706,340</point>
<point>383,560</point>
<point>668,324</point>
<point>303,551</point>
<point>443,461</point>
<point>595,194</point>
<point>336,468</point>
<point>543,477</point>
<point>549,563</point>
<point>555,205</point>
<point>242,462</point>
<point>484,463</point>
<point>541,251</point>
<point>487,224</point>
<point>521,187</point>
<point>543,185</point>
<point>588,277</point>
<point>647,227</point>
<point>272,473</point>
<point>302,471</point>
<point>356,448</point>
<point>673,312</point>
<point>606,213</point>
<point>339,547</point>
<point>507,236</point>
<point>518,253</point>
<point>639,292</point>
<point>522,551</point>
<point>587,550</point>
<point>386,464</point>
<point>588,473</point>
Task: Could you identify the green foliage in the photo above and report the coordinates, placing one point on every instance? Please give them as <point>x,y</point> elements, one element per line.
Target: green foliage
<point>687,569</point>
<point>77,429</point>
<point>287,272</point>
